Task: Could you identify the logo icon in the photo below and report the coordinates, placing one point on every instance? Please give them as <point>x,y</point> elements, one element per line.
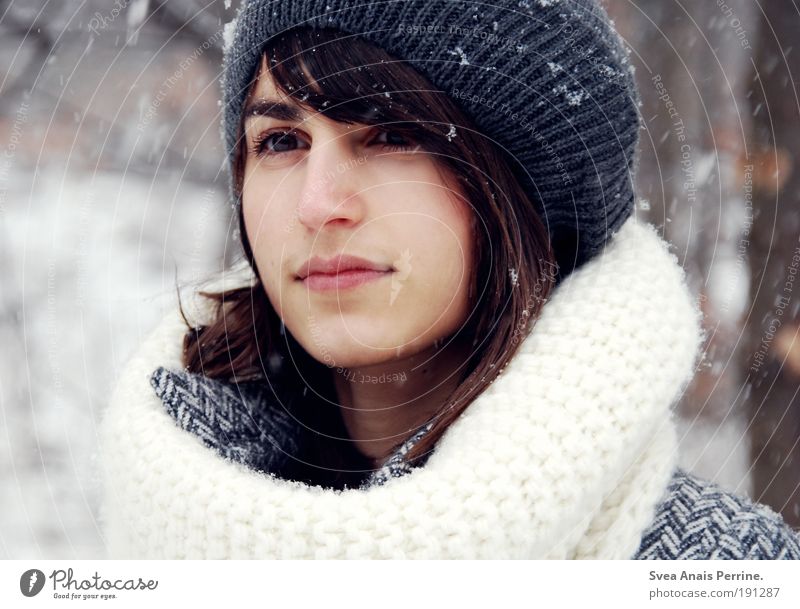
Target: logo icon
<point>31,582</point>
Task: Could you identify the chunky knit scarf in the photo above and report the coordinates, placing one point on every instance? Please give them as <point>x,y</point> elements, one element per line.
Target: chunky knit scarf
<point>565,455</point>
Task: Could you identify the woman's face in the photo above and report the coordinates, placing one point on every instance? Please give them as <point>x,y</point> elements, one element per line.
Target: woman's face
<point>317,189</point>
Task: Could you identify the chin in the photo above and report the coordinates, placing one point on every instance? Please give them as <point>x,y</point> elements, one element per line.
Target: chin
<point>351,360</point>
<point>349,350</point>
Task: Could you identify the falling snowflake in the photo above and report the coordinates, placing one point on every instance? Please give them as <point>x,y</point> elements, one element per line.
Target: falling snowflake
<point>574,98</point>
<point>542,3</point>
<point>451,134</point>
<point>460,52</point>
<point>609,71</point>
<point>136,14</point>
<point>514,274</point>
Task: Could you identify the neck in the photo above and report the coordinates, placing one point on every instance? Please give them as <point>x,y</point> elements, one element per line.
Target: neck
<point>384,403</point>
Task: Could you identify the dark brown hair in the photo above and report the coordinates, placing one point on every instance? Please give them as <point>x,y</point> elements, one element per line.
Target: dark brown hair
<point>515,267</point>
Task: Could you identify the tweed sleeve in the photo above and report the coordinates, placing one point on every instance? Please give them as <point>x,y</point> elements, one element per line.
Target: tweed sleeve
<point>757,532</point>
<point>697,520</point>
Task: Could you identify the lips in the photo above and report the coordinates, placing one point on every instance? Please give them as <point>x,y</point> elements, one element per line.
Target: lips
<point>339,265</point>
<point>340,272</point>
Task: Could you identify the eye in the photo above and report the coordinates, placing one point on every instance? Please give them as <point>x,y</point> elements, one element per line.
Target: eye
<point>275,142</point>
<point>394,141</point>
<point>282,141</point>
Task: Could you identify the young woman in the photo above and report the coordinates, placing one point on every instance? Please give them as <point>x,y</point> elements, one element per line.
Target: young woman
<point>451,337</point>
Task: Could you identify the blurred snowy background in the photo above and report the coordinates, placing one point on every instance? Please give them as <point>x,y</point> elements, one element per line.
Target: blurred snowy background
<point>111,190</point>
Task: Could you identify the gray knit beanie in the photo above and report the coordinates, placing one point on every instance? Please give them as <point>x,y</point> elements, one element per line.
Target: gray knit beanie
<point>548,80</point>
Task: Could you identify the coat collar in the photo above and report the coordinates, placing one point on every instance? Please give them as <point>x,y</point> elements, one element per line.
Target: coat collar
<point>256,424</point>
<point>565,455</point>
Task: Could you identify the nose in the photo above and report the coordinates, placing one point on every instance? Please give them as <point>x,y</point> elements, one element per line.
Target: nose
<point>331,192</point>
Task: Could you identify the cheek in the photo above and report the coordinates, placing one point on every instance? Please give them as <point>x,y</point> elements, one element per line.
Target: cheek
<point>448,233</point>
<point>442,249</point>
<point>440,243</point>
<point>268,226</point>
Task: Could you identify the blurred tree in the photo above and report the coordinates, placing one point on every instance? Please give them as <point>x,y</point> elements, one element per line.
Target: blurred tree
<point>693,72</point>
<point>772,336</point>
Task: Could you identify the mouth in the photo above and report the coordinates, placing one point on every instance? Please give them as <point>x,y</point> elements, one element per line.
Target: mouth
<point>341,281</point>
<point>340,272</point>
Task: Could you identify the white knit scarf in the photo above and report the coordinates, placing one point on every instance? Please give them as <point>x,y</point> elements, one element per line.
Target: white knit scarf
<point>565,455</point>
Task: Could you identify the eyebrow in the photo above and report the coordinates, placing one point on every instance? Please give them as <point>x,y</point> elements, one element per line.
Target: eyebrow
<point>273,108</point>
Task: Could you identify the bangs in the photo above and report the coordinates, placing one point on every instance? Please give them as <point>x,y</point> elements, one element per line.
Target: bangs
<point>315,70</point>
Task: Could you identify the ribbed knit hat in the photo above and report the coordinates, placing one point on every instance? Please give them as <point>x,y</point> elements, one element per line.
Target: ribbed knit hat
<point>548,80</point>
